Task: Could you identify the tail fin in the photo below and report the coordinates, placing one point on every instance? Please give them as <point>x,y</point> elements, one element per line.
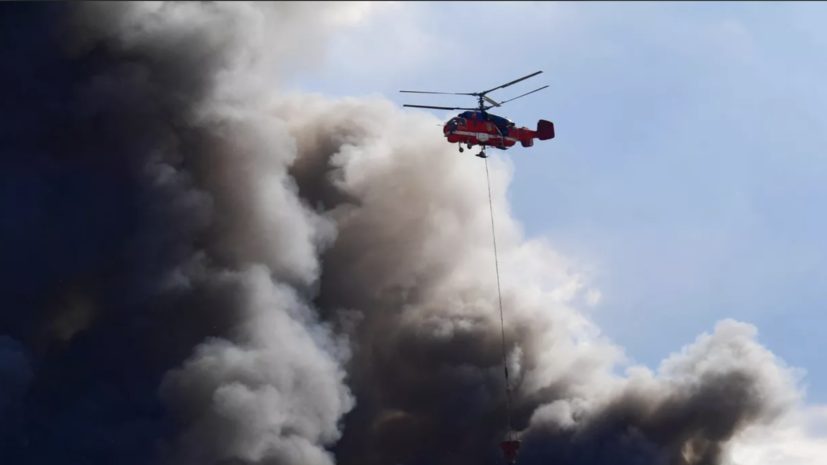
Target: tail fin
<point>545,130</point>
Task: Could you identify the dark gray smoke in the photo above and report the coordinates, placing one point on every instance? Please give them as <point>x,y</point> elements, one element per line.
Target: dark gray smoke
<point>198,270</point>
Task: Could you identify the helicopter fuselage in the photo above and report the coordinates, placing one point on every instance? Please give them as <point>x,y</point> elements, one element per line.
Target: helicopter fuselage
<point>483,129</point>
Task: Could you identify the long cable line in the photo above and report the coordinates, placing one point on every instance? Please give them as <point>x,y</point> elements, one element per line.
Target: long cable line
<point>500,296</point>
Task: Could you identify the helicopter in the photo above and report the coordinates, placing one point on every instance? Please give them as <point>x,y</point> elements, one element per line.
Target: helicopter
<point>475,126</point>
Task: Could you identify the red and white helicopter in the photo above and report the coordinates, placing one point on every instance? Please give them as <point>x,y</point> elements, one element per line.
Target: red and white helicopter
<point>476,126</point>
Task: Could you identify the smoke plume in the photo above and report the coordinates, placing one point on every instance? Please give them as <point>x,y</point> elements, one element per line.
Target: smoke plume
<point>199,269</point>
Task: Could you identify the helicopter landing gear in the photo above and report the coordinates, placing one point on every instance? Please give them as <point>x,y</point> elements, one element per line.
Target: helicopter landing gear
<point>461,149</point>
<point>469,146</point>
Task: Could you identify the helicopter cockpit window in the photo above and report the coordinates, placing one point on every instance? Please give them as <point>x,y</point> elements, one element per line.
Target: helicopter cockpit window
<point>452,125</point>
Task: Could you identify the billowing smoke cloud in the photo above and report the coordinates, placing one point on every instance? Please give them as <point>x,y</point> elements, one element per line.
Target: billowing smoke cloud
<point>200,270</point>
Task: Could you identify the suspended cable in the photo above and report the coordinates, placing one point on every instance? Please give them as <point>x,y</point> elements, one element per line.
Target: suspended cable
<point>511,444</point>
<point>500,297</point>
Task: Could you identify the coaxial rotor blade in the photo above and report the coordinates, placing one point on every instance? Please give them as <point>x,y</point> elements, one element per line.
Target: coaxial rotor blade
<point>438,108</point>
<point>520,96</point>
<point>511,83</point>
<point>440,93</point>
<point>491,101</point>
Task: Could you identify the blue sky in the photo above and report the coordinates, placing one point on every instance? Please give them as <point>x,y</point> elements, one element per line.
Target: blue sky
<point>689,165</point>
